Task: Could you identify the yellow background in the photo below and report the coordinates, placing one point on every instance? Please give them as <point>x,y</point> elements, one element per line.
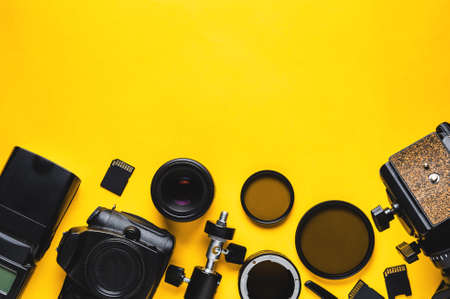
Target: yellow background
<point>322,91</point>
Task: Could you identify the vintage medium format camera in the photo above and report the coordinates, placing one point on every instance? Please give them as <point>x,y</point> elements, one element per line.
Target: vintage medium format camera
<point>418,188</point>
<point>34,196</point>
<point>118,255</point>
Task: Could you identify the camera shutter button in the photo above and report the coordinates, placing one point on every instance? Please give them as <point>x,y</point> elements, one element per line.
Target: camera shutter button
<point>132,233</point>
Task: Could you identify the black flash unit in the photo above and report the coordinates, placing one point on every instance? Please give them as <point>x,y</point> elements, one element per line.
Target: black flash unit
<point>34,196</point>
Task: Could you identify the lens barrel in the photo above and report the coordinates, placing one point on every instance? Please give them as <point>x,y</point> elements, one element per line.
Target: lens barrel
<point>182,190</point>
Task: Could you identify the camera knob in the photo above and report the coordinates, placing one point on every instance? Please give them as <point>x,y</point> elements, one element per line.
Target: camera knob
<point>219,231</point>
<point>381,217</point>
<point>132,233</point>
<point>175,275</point>
<point>235,254</point>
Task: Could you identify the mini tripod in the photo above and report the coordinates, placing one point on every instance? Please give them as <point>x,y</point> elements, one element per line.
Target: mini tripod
<point>204,281</point>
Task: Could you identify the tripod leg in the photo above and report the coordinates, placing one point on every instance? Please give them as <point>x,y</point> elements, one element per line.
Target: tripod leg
<point>203,284</point>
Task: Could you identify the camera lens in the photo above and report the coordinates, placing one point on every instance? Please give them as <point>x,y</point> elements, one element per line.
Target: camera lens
<point>334,239</point>
<point>267,197</point>
<point>182,190</point>
<point>114,269</point>
<point>267,275</point>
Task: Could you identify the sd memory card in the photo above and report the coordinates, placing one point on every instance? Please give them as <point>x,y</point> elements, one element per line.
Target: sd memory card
<point>117,176</point>
<point>362,291</point>
<point>397,282</point>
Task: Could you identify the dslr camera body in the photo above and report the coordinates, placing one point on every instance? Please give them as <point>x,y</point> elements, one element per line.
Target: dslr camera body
<point>417,181</point>
<point>118,255</point>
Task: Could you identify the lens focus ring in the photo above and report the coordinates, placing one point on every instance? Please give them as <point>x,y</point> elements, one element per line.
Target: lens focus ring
<point>441,260</point>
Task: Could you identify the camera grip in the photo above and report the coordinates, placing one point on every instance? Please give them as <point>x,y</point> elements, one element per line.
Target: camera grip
<point>71,291</point>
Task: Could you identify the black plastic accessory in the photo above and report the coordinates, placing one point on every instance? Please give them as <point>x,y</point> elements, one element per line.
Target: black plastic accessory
<point>397,281</point>
<point>213,229</point>
<point>334,239</point>
<point>34,196</point>
<point>269,274</point>
<point>410,252</point>
<point>118,255</point>
<point>319,291</point>
<point>201,283</point>
<point>175,275</point>
<point>416,180</point>
<point>267,197</point>
<point>382,217</point>
<point>362,291</point>
<point>235,254</point>
<point>117,176</point>
<point>182,190</point>
<point>204,281</point>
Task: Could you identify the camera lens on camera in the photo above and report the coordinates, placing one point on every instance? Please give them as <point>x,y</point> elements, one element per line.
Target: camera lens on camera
<point>182,190</point>
<point>114,268</point>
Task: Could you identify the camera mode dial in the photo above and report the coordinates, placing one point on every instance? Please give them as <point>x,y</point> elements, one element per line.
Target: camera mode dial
<point>382,217</point>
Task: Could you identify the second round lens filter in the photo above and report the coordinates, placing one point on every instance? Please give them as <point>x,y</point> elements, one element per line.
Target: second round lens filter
<point>334,239</point>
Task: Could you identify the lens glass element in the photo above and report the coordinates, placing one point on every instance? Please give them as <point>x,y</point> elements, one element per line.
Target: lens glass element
<point>334,239</point>
<point>181,190</point>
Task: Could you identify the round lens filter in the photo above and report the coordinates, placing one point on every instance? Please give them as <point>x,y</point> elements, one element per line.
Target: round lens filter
<point>334,239</point>
<point>267,275</point>
<point>267,197</point>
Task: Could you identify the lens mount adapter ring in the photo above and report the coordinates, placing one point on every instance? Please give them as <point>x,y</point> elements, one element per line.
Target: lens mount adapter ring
<point>267,256</point>
<point>202,174</point>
